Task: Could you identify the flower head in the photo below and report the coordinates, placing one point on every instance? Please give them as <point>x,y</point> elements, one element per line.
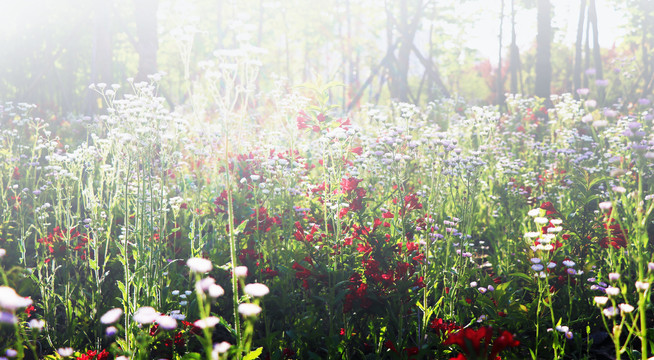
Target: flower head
<point>199,265</point>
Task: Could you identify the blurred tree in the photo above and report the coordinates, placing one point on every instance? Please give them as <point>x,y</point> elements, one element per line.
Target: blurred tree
<point>147,39</point>
<point>576,76</point>
<point>543,50</point>
<point>102,61</point>
<point>514,53</point>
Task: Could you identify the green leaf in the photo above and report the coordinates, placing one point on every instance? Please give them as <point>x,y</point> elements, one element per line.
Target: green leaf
<point>192,356</point>
<point>253,354</point>
<point>93,264</point>
<point>239,229</point>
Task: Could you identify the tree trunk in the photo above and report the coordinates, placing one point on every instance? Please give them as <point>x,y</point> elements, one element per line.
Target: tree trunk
<point>102,61</point>
<point>597,58</point>
<point>514,54</point>
<point>401,81</point>
<point>576,76</point>
<point>543,50</point>
<point>500,83</point>
<point>148,41</point>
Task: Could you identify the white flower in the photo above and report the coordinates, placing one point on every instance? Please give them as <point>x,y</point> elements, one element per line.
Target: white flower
<point>36,324</point>
<point>535,260</point>
<point>3,252</point>
<point>601,300</point>
<point>203,284</point>
<point>568,263</point>
<point>247,309</point>
<point>626,308</point>
<point>222,347</point>
<point>473,284</point>
<point>241,271</point>
<point>541,220</point>
<point>534,212</point>
<point>532,234</point>
<point>145,315</point>
<point>614,276</point>
<point>166,322</point>
<point>556,221</point>
<point>562,328</point>
<point>65,352</point>
<point>207,322</point>
<point>610,312</point>
<point>8,318</point>
<point>482,290</point>
<point>619,189</point>
<point>537,267</point>
<point>605,205</point>
<point>11,301</point>
<point>640,285</point>
<point>199,265</point>
<point>612,291</point>
<point>256,290</point>
<point>111,316</point>
<point>216,291</point>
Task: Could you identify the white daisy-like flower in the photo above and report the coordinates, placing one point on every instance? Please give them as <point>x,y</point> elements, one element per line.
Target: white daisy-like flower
<point>145,315</point>
<point>568,263</point>
<point>216,291</point>
<point>207,322</point>
<point>640,285</point>
<point>605,205</point>
<point>36,324</point>
<point>10,300</point>
<point>533,212</point>
<point>612,291</point>
<point>626,308</point>
<point>241,271</point>
<point>610,312</point>
<point>541,220</point>
<point>199,265</point>
<point>248,309</point>
<point>222,347</point>
<point>614,276</point>
<point>601,300</point>
<point>111,316</point>
<point>537,267</point>
<point>166,322</point>
<point>256,290</point>
<point>65,352</point>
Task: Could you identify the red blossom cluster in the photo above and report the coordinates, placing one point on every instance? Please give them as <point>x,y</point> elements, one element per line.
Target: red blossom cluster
<point>58,241</point>
<point>616,236</point>
<point>94,355</point>
<point>475,344</point>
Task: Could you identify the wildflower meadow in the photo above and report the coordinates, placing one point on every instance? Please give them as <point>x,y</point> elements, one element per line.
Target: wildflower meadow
<point>395,232</point>
<point>249,223</point>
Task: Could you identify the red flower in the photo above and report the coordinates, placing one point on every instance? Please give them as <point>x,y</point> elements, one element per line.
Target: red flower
<point>475,343</point>
<point>504,341</point>
<point>549,208</point>
<point>104,355</point>
<point>616,235</point>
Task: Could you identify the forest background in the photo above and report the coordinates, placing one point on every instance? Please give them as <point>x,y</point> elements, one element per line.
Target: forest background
<point>408,50</point>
